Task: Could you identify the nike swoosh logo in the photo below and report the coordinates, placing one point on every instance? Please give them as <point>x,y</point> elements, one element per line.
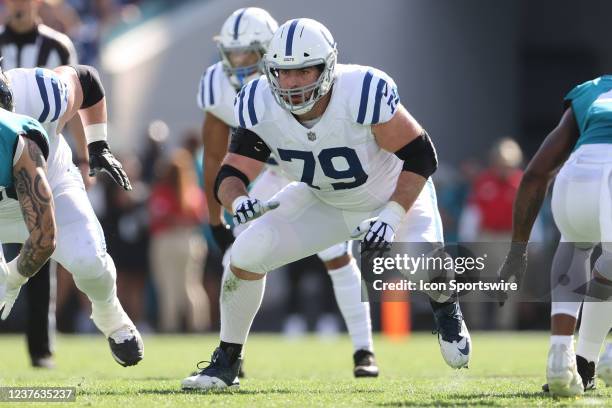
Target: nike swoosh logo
<point>465,350</point>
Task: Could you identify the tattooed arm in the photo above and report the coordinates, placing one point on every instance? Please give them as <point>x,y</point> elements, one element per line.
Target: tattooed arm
<point>36,201</point>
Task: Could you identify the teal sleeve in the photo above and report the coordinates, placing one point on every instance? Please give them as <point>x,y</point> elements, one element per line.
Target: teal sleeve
<point>579,99</point>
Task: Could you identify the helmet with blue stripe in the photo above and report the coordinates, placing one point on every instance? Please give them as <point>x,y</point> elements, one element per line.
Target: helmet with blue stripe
<point>297,44</point>
<point>246,30</point>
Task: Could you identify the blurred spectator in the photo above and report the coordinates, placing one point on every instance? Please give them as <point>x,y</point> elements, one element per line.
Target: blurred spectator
<point>453,187</point>
<point>126,222</point>
<point>95,16</point>
<point>487,217</point>
<point>60,16</point>
<point>193,144</point>
<point>155,145</point>
<point>177,252</point>
<point>488,214</point>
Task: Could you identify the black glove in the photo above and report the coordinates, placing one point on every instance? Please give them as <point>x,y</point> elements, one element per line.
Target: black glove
<point>102,160</point>
<point>223,236</point>
<point>514,266</point>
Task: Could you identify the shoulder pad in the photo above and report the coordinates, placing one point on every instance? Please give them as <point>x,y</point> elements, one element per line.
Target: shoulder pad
<point>209,90</point>
<point>39,93</point>
<point>249,105</point>
<point>374,96</point>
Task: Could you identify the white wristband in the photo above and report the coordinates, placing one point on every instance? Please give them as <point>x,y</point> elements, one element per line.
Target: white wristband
<point>238,201</point>
<point>392,214</point>
<point>95,132</point>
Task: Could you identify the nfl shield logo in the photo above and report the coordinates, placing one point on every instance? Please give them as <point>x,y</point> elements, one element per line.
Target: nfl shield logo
<point>311,136</point>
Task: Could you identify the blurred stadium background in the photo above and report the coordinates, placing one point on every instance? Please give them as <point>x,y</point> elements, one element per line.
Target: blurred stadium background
<point>471,71</point>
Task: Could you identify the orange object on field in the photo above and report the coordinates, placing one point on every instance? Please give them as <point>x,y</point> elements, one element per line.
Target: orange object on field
<point>395,315</point>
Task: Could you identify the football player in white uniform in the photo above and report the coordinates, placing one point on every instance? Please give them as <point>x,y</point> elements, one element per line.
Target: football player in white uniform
<point>53,98</point>
<point>361,165</point>
<point>243,41</point>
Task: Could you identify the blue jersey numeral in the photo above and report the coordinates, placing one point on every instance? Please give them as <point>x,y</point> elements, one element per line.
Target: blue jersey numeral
<point>326,156</point>
<point>309,163</point>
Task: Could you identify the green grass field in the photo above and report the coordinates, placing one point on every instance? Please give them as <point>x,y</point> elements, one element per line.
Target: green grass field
<point>506,370</point>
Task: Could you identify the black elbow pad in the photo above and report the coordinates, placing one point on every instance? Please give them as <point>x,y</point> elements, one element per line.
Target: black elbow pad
<point>247,143</point>
<point>93,91</point>
<point>419,156</point>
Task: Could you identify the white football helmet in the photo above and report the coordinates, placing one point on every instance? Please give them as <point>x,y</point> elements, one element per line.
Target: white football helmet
<point>301,43</point>
<point>247,29</point>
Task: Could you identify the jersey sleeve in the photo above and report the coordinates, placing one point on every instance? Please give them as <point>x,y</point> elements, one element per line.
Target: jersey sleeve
<point>39,93</point>
<point>209,90</point>
<point>577,92</point>
<point>374,97</point>
<point>249,105</point>
<point>580,99</point>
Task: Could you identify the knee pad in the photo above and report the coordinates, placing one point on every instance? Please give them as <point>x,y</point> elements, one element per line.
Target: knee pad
<point>98,283</point>
<point>90,265</point>
<point>335,251</point>
<point>569,275</point>
<point>598,290</point>
<point>253,249</point>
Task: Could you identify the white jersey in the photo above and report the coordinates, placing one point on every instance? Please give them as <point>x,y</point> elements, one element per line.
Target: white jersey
<point>216,94</point>
<point>42,95</point>
<point>338,157</point>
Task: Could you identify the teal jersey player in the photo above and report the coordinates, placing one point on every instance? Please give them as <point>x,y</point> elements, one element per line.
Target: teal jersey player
<point>11,126</point>
<point>592,106</point>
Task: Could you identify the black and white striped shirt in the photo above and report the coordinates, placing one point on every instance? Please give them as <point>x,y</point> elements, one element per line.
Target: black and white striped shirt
<point>40,47</point>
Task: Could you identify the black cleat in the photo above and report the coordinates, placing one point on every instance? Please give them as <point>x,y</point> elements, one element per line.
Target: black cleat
<point>218,374</point>
<point>586,370</point>
<point>241,373</point>
<point>126,346</point>
<point>365,364</point>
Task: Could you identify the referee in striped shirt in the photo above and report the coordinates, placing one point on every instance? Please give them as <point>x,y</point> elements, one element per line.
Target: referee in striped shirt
<point>26,43</point>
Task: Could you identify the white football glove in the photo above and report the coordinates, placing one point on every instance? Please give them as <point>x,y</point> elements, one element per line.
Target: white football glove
<point>247,209</point>
<point>11,282</point>
<point>378,233</point>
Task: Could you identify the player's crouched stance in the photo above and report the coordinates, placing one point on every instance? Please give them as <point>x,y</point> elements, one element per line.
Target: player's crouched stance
<point>357,158</point>
<point>55,97</point>
<point>579,152</point>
